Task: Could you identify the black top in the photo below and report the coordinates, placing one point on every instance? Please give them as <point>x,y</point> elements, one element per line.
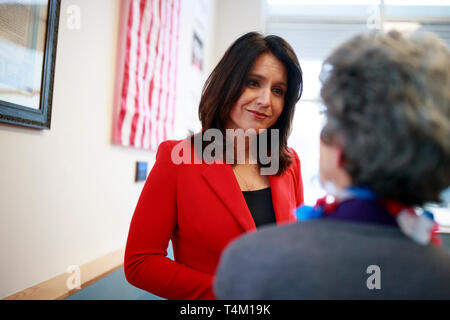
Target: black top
<point>260,205</point>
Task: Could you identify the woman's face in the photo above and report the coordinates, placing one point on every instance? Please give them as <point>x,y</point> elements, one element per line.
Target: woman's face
<point>331,168</point>
<point>262,100</point>
<point>328,162</point>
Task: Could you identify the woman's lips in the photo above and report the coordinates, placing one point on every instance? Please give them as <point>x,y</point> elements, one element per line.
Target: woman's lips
<point>258,115</point>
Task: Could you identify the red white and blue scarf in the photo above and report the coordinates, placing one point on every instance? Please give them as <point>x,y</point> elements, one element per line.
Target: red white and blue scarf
<point>416,223</point>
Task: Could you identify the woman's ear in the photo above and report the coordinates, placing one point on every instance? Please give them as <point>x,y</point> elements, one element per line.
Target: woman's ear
<point>340,157</point>
<point>335,155</point>
<point>329,160</point>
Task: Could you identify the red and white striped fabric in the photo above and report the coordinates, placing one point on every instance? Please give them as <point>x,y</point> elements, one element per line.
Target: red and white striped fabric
<point>147,102</point>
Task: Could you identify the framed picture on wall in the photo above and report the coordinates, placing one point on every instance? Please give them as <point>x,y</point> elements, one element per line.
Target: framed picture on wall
<point>28,36</point>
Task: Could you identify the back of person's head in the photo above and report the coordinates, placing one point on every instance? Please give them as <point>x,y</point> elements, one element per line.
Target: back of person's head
<point>387,99</point>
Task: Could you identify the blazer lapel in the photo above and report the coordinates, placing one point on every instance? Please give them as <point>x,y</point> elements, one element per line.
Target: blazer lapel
<point>221,179</point>
<point>281,196</point>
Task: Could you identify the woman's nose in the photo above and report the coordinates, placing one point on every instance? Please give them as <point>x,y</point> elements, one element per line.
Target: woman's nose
<point>264,96</point>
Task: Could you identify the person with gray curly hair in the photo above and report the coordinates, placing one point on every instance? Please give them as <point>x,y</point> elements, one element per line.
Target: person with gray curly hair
<point>388,108</point>
<point>384,154</point>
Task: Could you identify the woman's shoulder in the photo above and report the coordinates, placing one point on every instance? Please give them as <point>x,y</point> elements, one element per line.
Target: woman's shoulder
<point>295,160</point>
<point>177,151</point>
<point>169,145</point>
<point>165,148</point>
<point>291,151</point>
<point>164,152</point>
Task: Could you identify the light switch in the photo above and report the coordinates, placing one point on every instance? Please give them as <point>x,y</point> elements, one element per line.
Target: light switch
<point>141,171</point>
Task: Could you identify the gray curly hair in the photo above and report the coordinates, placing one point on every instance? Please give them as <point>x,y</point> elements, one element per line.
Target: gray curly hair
<point>387,99</point>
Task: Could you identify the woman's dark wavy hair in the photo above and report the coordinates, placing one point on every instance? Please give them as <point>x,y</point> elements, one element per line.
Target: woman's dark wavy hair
<point>226,84</point>
<point>387,101</point>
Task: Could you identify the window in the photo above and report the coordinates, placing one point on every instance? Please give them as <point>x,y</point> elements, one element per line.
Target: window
<point>314,28</point>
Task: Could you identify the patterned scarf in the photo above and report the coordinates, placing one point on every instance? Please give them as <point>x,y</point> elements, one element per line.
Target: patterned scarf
<point>417,224</point>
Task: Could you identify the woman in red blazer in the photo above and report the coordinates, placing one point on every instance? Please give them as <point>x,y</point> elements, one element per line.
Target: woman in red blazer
<point>202,205</point>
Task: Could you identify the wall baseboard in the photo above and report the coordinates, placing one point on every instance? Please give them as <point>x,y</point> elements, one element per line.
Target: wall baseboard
<point>56,288</point>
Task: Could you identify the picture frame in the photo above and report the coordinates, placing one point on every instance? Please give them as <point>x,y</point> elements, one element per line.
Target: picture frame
<point>28,41</point>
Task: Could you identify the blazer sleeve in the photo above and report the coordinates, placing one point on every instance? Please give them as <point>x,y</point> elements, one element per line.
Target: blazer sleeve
<point>153,223</point>
<point>298,180</point>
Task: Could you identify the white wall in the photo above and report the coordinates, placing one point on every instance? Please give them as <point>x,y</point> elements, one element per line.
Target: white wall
<point>198,15</point>
<point>236,17</point>
<point>67,194</point>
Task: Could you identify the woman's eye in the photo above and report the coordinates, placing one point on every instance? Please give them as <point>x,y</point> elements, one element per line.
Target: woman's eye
<point>278,91</point>
<point>252,83</point>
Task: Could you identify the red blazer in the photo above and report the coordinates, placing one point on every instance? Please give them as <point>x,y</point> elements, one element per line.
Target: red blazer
<point>201,208</point>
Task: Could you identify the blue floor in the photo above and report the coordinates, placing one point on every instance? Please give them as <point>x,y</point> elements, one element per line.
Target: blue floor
<point>112,287</point>
<point>115,286</point>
